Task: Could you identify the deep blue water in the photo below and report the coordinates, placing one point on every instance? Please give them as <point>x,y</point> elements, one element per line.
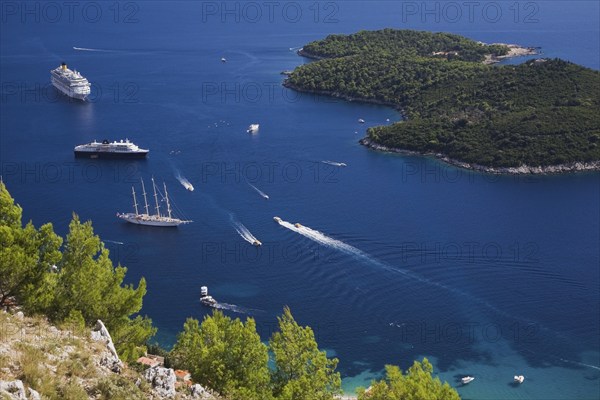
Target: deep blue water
<point>484,275</point>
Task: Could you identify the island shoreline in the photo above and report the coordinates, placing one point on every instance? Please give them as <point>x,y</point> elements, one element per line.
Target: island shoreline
<point>572,167</point>
<point>521,170</point>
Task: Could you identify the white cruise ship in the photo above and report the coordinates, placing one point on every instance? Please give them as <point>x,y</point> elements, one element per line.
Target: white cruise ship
<point>71,83</point>
<point>106,149</point>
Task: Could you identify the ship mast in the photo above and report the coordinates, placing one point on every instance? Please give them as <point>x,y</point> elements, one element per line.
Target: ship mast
<point>145,199</point>
<point>167,198</point>
<point>156,198</point>
<point>134,201</point>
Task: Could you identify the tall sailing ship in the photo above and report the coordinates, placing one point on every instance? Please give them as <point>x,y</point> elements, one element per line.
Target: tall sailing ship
<point>70,82</point>
<point>146,218</point>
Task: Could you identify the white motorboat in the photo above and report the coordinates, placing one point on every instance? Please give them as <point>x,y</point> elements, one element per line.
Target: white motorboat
<point>205,298</point>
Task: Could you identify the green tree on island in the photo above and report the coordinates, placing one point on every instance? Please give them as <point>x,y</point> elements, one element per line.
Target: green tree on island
<point>79,285</point>
<point>226,355</point>
<point>27,255</point>
<point>416,384</point>
<point>302,371</point>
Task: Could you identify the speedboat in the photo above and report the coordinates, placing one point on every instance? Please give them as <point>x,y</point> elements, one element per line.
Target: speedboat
<point>223,60</point>
<point>362,121</point>
<point>253,128</point>
<point>205,298</point>
<point>467,379</point>
<point>277,219</point>
<point>519,378</point>
<point>257,243</point>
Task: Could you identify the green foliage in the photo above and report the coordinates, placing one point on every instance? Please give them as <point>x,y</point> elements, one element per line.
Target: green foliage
<point>416,384</point>
<point>225,354</point>
<point>537,113</point>
<point>88,283</point>
<point>78,286</point>
<point>302,371</point>
<point>26,256</point>
<point>403,43</point>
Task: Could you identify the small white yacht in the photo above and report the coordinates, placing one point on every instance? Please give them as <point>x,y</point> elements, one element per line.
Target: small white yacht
<point>253,128</point>
<point>467,379</point>
<point>360,120</point>
<point>205,298</point>
<point>519,378</point>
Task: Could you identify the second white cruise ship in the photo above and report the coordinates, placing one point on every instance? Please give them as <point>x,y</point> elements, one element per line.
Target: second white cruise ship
<point>71,83</point>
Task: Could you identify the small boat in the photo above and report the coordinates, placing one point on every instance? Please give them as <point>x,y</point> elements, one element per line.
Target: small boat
<point>277,219</point>
<point>188,186</point>
<point>519,378</point>
<point>467,379</point>
<point>297,225</point>
<point>362,121</point>
<point>253,128</point>
<point>205,298</point>
<point>257,243</point>
<point>223,60</point>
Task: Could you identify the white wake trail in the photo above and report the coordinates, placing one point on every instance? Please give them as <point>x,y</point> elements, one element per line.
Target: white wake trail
<point>334,163</point>
<point>243,231</point>
<point>263,194</point>
<point>361,255</point>
<point>184,182</point>
<point>96,50</point>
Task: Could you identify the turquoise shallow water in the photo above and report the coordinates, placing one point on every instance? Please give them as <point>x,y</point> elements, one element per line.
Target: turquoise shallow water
<point>402,257</point>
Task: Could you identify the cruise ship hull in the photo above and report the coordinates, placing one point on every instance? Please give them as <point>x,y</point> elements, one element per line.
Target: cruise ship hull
<point>150,221</point>
<point>69,91</point>
<point>110,154</point>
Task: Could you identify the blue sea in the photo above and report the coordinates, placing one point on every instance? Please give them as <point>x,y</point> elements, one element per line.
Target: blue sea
<point>398,257</point>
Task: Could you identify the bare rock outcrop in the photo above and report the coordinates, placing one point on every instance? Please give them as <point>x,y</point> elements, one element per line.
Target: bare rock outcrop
<point>162,381</point>
<point>15,390</point>
<point>110,358</point>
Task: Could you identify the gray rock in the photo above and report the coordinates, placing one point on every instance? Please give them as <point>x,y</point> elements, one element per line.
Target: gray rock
<point>109,359</point>
<point>198,392</point>
<point>162,381</point>
<point>33,395</point>
<point>13,390</point>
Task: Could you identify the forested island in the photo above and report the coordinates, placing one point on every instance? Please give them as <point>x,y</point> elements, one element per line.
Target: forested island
<point>542,116</point>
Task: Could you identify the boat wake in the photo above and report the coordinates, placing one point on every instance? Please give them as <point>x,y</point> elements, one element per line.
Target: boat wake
<point>113,241</point>
<point>96,50</point>
<point>234,308</point>
<point>184,182</point>
<point>263,194</point>
<point>243,231</point>
<point>366,258</point>
<point>334,163</point>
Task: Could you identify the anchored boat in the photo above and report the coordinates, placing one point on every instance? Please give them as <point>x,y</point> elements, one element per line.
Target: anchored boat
<point>152,219</point>
<point>106,149</point>
<point>70,83</point>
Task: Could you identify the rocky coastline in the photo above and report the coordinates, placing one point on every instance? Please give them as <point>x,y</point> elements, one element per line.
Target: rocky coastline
<point>521,170</point>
